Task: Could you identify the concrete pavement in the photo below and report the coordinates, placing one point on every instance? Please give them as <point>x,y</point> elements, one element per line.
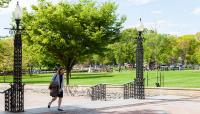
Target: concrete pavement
<point>167,104</point>
<point>37,98</point>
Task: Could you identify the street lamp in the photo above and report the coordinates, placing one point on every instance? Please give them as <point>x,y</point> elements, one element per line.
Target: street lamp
<point>17,15</point>
<point>139,80</point>
<point>140,27</point>
<point>14,97</point>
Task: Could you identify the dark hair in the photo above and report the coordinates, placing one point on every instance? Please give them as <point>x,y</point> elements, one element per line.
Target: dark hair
<point>59,69</point>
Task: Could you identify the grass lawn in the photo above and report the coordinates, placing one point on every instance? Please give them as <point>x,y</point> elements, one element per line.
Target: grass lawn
<point>186,79</point>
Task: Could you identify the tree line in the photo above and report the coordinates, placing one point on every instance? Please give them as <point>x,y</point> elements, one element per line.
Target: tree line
<point>89,32</point>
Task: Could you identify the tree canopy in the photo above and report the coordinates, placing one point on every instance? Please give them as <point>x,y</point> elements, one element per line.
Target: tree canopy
<point>68,31</point>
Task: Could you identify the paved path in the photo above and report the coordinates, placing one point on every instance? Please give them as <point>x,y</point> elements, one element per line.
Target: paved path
<point>151,105</point>
<point>36,103</point>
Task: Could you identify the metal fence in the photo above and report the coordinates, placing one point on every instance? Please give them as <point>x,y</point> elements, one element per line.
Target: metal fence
<point>98,92</point>
<point>129,90</point>
<point>14,98</point>
<point>158,79</point>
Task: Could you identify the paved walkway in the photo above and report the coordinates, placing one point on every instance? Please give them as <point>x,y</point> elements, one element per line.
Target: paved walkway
<point>36,103</point>
<point>151,105</point>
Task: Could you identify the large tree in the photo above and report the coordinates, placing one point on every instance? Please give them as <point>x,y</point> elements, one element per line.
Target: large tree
<point>68,31</point>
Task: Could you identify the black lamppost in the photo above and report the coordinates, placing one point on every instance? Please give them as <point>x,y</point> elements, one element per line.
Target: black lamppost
<point>139,80</point>
<point>14,98</point>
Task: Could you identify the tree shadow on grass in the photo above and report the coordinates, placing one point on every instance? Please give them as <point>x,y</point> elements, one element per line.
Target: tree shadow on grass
<point>92,76</point>
<point>31,79</point>
<point>79,75</point>
<point>38,76</point>
<point>73,75</point>
<point>84,76</point>
<point>36,82</point>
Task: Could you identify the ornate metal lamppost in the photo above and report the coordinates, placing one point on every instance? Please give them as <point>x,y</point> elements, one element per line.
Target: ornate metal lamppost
<point>139,80</point>
<point>14,97</point>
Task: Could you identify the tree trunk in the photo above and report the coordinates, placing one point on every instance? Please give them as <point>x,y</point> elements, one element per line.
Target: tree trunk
<point>70,62</point>
<point>70,74</point>
<point>67,76</point>
<point>120,67</point>
<point>133,62</point>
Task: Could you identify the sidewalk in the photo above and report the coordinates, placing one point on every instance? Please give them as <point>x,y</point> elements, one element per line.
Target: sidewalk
<point>37,98</point>
<point>151,105</point>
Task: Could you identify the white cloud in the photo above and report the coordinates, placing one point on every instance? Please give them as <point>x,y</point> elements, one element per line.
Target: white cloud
<point>165,26</point>
<point>157,12</point>
<point>141,2</point>
<point>196,11</point>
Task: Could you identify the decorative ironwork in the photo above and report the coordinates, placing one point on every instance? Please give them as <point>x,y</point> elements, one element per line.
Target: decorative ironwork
<point>7,99</point>
<point>139,81</point>
<point>14,97</point>
<point>17,55</point>
<point>129,90</point>
<point>14,101</point>
<point>98,92</point>
<point>139,89</point>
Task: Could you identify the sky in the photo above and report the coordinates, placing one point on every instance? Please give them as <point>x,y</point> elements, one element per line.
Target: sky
<point>177,17</point>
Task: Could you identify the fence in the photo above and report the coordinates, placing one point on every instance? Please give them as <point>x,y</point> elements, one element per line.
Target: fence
<point>129,90</point>
<point>158,79</point>
<point>13,95</point>
<point>109,92</point>
<point>98,92</point>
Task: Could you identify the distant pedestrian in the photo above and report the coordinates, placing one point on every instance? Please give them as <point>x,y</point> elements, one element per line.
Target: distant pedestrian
<point>57,87</point>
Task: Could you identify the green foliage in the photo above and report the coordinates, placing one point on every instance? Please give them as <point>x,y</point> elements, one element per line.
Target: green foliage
<point>6,54</point>
<point>158,47</point>
<point>124,49</point>
<point>198,36</point>
<point>196,56</point>
<point>128,45</point>
<point>186,47</point>
<point>69,31</point>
